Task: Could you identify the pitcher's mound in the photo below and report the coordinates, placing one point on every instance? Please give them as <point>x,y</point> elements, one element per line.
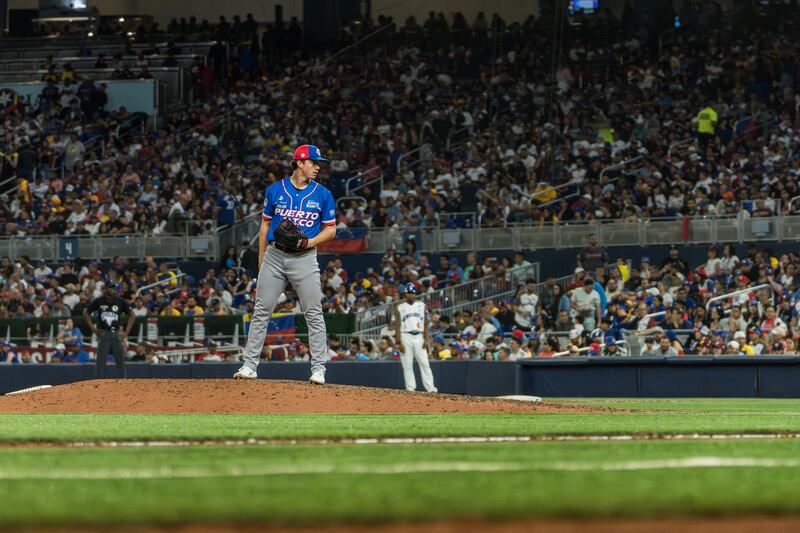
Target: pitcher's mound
<point>248,396</point>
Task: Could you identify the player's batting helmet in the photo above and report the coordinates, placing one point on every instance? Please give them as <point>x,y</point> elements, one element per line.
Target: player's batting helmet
<point>411,288</point>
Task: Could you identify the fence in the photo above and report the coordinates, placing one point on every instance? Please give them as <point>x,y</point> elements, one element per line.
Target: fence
<point>652,232</point>
<point>430,239</point>
<point>424,151</point>
<point>55,247</point>
<point>748,290</point>
<point>31,64</point>
<point>244,230</point>
<point>472,293</point>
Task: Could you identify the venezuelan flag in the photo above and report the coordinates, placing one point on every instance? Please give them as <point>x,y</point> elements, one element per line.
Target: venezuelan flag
<point>281,325</point>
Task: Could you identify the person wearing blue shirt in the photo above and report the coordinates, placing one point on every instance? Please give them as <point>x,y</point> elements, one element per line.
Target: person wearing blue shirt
<point>70,335</point>
<point>8,354</point>
<point>227,203</point>
<point>601,291</point>
<point>311,207</point>
<point>76,354</point>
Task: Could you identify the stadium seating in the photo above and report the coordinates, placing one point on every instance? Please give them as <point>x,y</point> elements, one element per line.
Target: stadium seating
<point>465,148</point>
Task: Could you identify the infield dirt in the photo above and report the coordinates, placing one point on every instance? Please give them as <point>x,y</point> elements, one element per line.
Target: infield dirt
<point>225,396</point>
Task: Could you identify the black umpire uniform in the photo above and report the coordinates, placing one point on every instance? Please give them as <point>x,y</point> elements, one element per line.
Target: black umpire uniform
<point>109,309</point>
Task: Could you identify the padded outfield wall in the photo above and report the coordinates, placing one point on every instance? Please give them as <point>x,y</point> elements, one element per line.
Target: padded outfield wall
<point>720,377</point>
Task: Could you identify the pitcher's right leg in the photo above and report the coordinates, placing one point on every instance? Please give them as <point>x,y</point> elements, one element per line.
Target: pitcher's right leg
<point>271,282</point>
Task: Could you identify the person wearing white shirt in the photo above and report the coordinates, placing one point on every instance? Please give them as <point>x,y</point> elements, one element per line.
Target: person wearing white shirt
<point>42,271</point>
<point>525,306</point>
<point>412,330</point>
<point>713,263</point>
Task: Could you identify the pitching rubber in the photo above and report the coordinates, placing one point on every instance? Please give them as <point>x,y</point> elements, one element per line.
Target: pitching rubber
<point>29,389</point>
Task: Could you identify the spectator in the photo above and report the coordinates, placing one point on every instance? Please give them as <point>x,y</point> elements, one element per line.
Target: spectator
<point>70,334</point>
<point>586,305</point>
<point>76,354</point>
<point>593,256</point>
<point>649,349</point>
<point>665,348</point>
<point>249,258</point>
<point>526,305</point>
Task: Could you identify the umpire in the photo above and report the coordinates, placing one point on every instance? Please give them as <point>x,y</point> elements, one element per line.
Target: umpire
<point>109,309</point>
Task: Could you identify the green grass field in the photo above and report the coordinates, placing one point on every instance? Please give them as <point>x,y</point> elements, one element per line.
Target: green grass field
<point>327,483</point>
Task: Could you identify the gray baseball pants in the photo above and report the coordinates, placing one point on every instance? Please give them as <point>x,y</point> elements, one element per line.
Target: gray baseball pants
<point>302,271</point>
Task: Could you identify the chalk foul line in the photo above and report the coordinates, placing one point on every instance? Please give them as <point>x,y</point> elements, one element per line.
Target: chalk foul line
<point>390,469</point>
<point>395,440</point>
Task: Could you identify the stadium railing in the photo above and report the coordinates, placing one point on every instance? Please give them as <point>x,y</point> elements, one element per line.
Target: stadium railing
<point>432,239</point>
<point>654,231</point>
<point>30,51</point>
<point>176,79</point>
<point>748,290</point>
<point>449,299</point>
<point>674,147</point>
<point>755,122</point>
<point>245,229</point>
<point>420,154</point>
<point>59,247</point>
<point>14,65</point>
<point>620,166</point>
<point>363,179</point>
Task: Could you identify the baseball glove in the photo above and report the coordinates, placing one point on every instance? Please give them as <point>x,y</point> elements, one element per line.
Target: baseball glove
<point>290,238</point>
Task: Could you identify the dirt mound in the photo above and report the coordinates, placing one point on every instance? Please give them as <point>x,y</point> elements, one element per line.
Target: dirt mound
<point>166,396</point>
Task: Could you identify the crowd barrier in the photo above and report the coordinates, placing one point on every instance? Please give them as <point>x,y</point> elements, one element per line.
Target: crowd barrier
<point>475,378</point>
<point>721,377</point>
<point>657,377</point>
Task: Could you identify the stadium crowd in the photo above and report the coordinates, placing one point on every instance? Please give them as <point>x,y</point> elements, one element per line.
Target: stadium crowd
<point>603,308</point>
<point>507,137</point>
<point>502,137</point>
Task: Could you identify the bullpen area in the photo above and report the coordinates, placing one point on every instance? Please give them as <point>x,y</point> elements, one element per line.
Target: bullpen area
<point>288,455</point>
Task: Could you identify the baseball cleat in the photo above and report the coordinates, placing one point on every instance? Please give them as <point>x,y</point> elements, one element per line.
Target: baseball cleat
<point>317,378</point>
<point>245,373</point>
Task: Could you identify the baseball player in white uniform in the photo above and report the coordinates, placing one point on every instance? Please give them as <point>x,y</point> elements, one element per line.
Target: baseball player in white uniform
<point>411,328</point>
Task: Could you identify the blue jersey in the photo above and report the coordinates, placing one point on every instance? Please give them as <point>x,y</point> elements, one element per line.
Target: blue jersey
<point>309,208</point>
<point>227,209</point>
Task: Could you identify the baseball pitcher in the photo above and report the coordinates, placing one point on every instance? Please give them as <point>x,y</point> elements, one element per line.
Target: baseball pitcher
<point>411,329</point>
<point>298,215</point>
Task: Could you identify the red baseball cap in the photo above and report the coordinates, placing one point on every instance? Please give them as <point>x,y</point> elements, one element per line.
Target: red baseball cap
<point>308,152</point>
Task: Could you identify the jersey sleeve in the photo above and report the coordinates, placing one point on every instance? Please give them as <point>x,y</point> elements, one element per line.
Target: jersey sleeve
<point>269,206</point>
<point>328,209</point>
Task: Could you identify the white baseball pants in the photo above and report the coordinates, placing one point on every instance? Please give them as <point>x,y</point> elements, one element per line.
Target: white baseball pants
<point>415,349</point>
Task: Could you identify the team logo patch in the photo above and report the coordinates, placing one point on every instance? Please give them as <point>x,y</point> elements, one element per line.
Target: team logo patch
<point>311,204</point>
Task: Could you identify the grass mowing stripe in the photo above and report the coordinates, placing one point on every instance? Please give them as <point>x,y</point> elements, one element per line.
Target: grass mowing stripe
<point>219,427</point>
<point>392,469</point>
<point>586,479</point>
